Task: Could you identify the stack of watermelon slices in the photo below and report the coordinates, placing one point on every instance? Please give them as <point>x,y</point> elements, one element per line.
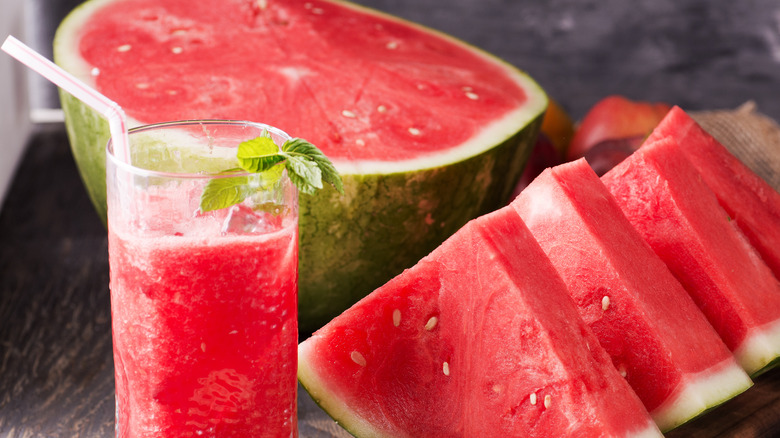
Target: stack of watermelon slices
<point>654,333</point>
<point>476,336</point>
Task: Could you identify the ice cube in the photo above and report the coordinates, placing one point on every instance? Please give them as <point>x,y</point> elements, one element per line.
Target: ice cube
<point>242,219</point>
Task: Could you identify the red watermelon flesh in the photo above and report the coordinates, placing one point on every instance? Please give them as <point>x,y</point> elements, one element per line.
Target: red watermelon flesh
<point>654,333</point>
<point>752,204</point>
<point>382,92</point>
<point>679,216</point>
<point>480,338</point>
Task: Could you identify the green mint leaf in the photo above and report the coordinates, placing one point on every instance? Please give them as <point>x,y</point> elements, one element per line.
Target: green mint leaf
<point>330,175</point>
<point>259,154</point>
<point>224,192</point>
<point>304,173</point>
<point>307,168</point>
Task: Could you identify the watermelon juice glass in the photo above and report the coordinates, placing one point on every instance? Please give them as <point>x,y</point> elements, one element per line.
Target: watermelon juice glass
<point>203,305</point>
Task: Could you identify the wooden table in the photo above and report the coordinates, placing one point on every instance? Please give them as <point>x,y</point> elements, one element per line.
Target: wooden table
<point>56,369</point>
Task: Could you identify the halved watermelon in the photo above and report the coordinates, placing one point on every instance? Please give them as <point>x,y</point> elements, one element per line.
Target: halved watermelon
<point>667,201</point>
<point>427,131</point>
<point>478,339</point>
<point>752,204</point>
<point>653,331</point>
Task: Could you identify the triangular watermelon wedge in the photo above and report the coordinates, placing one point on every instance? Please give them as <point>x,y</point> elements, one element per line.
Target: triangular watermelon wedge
<point>479,338</point>
<point>752,204</point>
<point>654,332</point>
<point>667,201</point>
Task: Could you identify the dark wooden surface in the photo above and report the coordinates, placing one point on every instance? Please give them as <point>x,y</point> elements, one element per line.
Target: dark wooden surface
<point>56,377</point>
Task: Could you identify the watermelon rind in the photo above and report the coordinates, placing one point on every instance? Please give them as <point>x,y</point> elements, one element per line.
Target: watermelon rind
<point>391,215</point>
<point>760,351</point>
<point>702,393</point>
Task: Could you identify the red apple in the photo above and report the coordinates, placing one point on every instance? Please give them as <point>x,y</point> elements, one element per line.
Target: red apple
<point>612,118</point>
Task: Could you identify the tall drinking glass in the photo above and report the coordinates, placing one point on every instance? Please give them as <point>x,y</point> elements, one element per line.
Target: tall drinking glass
<point>203,304</point>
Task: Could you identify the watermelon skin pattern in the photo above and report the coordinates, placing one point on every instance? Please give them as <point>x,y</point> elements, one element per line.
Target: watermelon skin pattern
<point>654,332</point>
<point>752,204</point>
<point>667,201</point>
<point>506,355</point>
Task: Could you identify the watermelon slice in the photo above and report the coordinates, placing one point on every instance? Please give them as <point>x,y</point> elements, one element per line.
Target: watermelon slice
<point>752,204</point>
<point>678,215</point>
<point>654,333</point>
<point>426,131</point>
<point>479,338</point>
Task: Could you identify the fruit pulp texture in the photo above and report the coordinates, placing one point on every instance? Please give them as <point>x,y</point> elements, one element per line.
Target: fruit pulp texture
<point>205,334</point>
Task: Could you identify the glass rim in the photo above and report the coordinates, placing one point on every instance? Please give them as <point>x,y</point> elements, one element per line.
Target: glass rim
<point>140,171</point>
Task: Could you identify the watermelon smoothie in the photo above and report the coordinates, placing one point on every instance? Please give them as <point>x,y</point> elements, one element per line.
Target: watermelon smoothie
<point>204,304</point>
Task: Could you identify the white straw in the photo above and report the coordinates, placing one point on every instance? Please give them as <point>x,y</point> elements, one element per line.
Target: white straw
<point>117,122</point>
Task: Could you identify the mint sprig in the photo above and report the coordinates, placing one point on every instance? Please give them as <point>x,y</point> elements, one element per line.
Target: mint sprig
<point>306,166</point>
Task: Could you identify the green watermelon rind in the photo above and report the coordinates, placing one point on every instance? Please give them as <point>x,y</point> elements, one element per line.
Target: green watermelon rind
<point>704,392</point>
<point>760,350</point>
<point>389,218</point>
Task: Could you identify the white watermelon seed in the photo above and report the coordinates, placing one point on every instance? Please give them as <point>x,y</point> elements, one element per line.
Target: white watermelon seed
<point>233,332</point>
<point>446,368</point>
<point>472,95</point>
<point>381,108</point>
<point>533,398</point>
<point>547,401</point>
<point>177,50</point>
<point>396,317</point>
<point>605,303</point>
<point>262,4</point>
<point>360,142</point>
<point>203,346</point>
<point>358,358</point>
<point>142,85</point>
<point>431,323</point>
<point>124,48</point>
<point>414,131</point>
<point>392,45</point>
<point>95,71</point>
<point>348,113</point>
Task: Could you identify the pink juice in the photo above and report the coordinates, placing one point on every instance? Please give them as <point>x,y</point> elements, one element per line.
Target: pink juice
<point>205,332</point>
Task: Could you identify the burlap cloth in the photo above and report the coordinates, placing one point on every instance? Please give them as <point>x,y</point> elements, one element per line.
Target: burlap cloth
<point>751,136</point>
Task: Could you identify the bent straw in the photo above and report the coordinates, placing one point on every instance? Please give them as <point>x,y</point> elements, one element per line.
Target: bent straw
<point>117,122</point>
